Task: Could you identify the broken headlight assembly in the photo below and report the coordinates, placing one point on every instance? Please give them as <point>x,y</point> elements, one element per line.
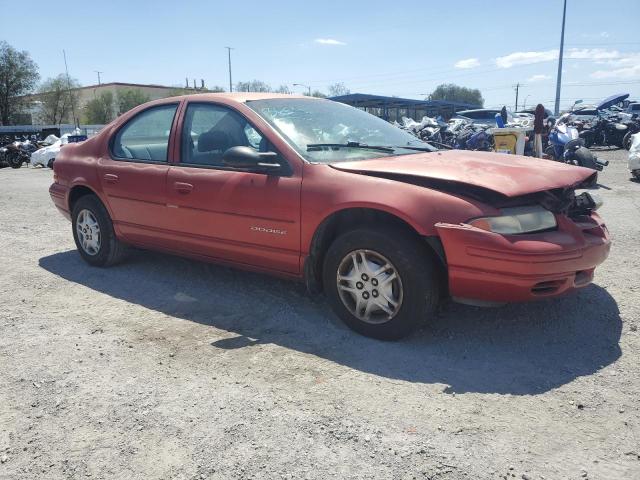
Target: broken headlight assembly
<point>517,220</point>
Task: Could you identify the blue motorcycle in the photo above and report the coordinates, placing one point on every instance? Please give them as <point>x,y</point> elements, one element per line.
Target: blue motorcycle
<point>565,145</point>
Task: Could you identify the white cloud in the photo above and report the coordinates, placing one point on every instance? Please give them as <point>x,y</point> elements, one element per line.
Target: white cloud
<point>592,54</point>
<point>596,35</point>
<point>626,66</point>
<point>467,63</point>
<point>539,78</point>
<point>525,58</point>
<point>328,41</point>
<point>529,58</point>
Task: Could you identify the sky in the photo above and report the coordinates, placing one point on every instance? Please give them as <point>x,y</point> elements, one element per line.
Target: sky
<point>380,47</point>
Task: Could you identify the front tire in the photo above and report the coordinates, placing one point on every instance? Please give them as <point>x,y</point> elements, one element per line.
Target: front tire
<point>15,160</point>
<point>382,283</point>
<point>93,233</point>
<point>626,141</point>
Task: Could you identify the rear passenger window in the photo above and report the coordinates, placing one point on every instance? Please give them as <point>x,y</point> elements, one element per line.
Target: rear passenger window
<point>146,136</point>
<point>210,130</point>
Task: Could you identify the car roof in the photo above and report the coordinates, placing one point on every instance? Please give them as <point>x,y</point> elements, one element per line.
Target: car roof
<point>237,97</point>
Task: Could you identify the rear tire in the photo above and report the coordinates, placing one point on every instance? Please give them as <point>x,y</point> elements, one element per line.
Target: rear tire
<point>15,160</point>
<point>586,158</point>
<point>100,247</point>
<point>415,290</point>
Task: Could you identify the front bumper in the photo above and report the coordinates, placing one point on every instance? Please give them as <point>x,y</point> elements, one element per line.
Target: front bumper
<point>489,267</point>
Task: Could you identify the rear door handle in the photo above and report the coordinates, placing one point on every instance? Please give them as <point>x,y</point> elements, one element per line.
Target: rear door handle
<point>183,187</point>
<point>111,178</point>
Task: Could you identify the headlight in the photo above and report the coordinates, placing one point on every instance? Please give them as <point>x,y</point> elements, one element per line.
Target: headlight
<point>517,220</point>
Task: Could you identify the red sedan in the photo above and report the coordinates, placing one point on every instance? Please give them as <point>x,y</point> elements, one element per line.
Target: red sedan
<point>315,190</point>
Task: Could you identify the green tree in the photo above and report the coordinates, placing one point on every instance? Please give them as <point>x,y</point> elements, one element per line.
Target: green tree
<point>283,89</point>
<point>177,91</point>
<point>18,76</point>
<point>100,109</point>
<point>57,100</point>
<point>338,89</point>
<point>252,86</point>
<point>317,94</point>
<point>130,98</point>
<point>456,93</point>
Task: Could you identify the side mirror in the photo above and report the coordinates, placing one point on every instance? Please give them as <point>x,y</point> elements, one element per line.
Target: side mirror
<point>247,158</point>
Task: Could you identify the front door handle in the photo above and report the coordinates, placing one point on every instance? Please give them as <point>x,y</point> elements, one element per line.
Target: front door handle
<point>111,178</point>
<point>182,187</point>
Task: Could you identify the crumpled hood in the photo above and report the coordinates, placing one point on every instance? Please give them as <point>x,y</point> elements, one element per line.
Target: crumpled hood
<point>509,175</point>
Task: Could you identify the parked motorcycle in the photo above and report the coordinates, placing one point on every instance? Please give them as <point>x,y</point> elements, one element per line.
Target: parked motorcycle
<point>605,132</point>
<point>14,154</point>
<point>565,145</point>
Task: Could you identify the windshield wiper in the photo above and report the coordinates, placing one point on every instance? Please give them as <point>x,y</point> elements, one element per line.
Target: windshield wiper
<point>419,149</point>
<point>320,146</point>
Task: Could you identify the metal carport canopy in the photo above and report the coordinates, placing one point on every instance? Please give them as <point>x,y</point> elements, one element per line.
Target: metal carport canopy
<point>379,101</point>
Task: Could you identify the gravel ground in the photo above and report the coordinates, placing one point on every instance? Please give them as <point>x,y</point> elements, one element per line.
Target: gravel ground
<point>166,368</point>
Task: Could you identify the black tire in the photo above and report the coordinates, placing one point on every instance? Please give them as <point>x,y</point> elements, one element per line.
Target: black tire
<point>414,265</point>
<point>111,249</point>
<point>15,160</point>
<point>550,152</point>
<point>626,141</point>
<point>50,163</point>
<point>586,158</point>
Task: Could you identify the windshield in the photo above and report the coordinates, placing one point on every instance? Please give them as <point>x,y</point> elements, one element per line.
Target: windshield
<point>324,131</point>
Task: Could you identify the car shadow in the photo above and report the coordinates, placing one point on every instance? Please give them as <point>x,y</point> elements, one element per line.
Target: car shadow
<point>519,349</point>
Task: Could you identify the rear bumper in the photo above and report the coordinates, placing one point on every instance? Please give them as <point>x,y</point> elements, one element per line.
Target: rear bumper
<point>489,267</point>
<point>59,196</point>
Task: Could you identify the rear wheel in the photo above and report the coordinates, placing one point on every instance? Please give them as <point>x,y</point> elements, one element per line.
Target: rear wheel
<point>93,233</point>
<point>15,160</point>
<point>585,158</point>
<point>382,283</point>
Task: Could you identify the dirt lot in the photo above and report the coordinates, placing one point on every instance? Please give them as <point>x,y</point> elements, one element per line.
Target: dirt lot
<point>165,368</point>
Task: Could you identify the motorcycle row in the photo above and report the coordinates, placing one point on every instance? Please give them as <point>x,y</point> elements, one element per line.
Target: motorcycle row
<point>14,151</point>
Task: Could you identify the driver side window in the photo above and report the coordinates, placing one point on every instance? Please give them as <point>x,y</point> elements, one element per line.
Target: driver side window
<point>210,130</point>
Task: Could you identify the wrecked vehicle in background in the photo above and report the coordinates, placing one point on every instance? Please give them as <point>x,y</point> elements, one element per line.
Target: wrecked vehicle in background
<point>45,156</point>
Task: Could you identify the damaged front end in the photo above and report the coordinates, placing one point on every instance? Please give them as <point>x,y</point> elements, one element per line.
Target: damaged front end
<point>521,254</point>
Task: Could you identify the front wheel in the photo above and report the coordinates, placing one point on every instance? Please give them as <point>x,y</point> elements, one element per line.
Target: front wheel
<point>382,283</point>
<point>627,140</point>
<point>93,233</point>
<point>15,160</point>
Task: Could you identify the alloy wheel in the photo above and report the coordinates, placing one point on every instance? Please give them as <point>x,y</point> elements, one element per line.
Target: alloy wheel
<point>369,286</point>
<point>88,231</point>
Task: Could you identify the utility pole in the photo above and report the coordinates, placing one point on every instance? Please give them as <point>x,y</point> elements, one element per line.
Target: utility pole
<point>559,80</point>
<point>517,90</point>
<point>304,86</point>
<point>73,107</point>
<point>230,82</point>
<point>98,72</point>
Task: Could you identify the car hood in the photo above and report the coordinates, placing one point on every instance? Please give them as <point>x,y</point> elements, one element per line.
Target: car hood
<point>509,175</point>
